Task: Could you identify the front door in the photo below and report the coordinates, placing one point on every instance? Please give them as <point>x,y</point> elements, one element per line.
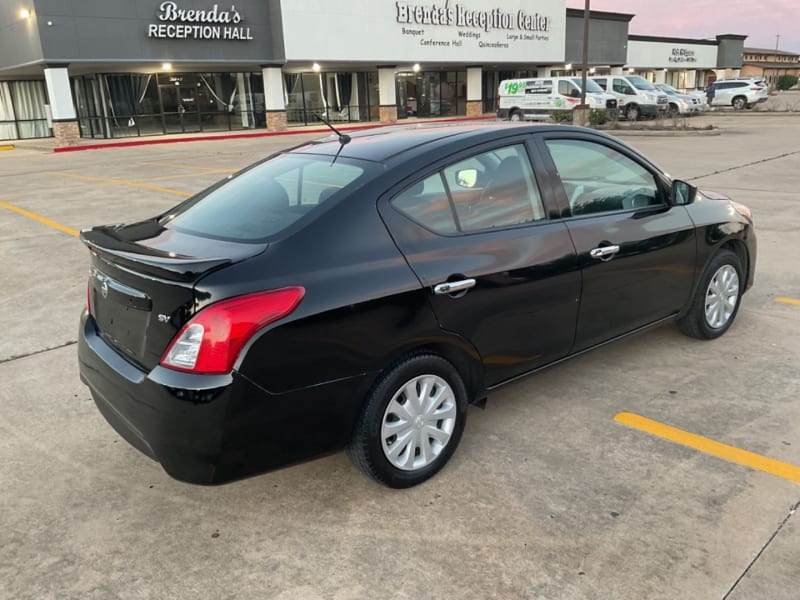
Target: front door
<point>636,252</point>
<point>500,273</point>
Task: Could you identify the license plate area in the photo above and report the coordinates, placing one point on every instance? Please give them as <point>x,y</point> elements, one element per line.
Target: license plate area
<point>122,313</point>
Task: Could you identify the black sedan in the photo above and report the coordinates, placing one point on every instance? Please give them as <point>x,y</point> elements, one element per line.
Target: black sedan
<point>360,292</point>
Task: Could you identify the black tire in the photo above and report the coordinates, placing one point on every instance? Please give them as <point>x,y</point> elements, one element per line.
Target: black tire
<point>673,110</point>
<point>695,323</point>
<point>632,112</point>
<point>739,103</point>
<point>366,448</point>
<point>515,116</point>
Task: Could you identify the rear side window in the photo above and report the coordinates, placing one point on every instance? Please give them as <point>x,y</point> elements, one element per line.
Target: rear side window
<point>265,199</point>
<point>494,189</point>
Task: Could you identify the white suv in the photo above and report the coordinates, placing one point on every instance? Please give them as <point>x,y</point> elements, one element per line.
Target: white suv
<point>738,93</point>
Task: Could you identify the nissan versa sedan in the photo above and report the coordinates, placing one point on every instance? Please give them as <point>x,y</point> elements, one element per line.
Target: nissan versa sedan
<point>360,292</point>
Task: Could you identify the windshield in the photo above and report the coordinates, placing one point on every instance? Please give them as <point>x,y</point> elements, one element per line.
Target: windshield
<point>591,86</point>
<point>266,198</point>
<point>640,83</point>
<point>668,90</point>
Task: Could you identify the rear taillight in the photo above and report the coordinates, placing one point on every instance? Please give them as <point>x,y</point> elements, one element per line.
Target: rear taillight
<point>211,341</point>
<point>89,296</point>
<point>756,89</point>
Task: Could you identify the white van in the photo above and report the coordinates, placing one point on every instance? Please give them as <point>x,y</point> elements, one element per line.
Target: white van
<point>635,95</point>
<point>519,99</point>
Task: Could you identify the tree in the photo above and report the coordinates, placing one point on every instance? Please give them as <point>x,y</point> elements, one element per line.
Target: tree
<point>786,82</point>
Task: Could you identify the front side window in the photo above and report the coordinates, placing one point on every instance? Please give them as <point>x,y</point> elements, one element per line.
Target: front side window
<point>494,189</point>
<point>623,88</point>
<point>565,88</point>
<point>599,179</point>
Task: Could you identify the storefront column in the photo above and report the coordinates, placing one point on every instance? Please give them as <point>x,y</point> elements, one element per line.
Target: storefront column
<point>660,76</point>
<point>274,99</point>
<point>616,70</point>
<point>545,71</point>
<point>387,94</point>
<point>65,121</point>
<point>474,91</point>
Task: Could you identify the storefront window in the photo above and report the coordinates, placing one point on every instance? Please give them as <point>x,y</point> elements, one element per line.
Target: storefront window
<point>22,113</point>
<point>431,94</point>
<point>337,96</point>
<point>129,105</point>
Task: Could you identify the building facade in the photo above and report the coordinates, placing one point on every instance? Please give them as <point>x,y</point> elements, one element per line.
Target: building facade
<point>769,65</point>
<point>123,68</point>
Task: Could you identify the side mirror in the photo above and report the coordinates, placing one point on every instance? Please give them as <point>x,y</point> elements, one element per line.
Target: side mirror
<point>683,193</point>
<point>467,178</point>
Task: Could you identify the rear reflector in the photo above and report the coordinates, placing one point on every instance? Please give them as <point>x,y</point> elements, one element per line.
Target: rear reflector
<point>211,341</point>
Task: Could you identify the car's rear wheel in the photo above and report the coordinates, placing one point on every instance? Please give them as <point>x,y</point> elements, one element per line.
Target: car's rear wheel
<point>632,112</point>
<point>411,422</point>
<point>716,300</point>
<point>739,102</point>
<point>515,116</point>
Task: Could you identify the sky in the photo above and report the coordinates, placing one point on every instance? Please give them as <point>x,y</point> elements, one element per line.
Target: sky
<point>760,20</point>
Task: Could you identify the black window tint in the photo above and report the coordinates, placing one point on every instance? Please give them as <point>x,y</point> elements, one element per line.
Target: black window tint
<point>598,179</point>
<point>426,202</point>
<point>501,193</point>
<point>601,83</point>
<point>265,199</point>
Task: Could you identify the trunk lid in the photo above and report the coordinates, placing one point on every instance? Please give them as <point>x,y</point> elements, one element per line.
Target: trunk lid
<point>142,283</point>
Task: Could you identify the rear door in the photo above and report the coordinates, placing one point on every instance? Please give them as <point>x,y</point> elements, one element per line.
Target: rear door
<point>500,273</point>
<point>637,253</point>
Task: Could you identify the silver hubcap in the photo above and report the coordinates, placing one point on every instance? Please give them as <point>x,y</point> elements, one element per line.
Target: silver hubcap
<point>721,296</point>
<point>418,422</point>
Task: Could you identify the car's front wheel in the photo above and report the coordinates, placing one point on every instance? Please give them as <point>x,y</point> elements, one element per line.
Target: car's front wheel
<point>411,422</point>
<point>632,112</point>
<point>716,300</point>
<point>739,102</point>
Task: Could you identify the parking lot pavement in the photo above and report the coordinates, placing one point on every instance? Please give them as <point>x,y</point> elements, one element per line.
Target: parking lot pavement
<point>548,495</point>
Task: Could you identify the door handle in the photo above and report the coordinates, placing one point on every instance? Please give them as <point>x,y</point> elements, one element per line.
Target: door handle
<point>452,287</point>
<point>604,252</point>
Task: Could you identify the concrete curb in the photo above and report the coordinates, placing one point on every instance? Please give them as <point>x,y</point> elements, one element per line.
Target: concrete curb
<point>238,136</point>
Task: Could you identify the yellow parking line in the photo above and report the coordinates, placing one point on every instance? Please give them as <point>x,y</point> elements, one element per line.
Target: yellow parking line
<point>179,166</point>
<point>122,182</point>
<point>39,218</point>
<point>723,451</point>
<point>788,301</point>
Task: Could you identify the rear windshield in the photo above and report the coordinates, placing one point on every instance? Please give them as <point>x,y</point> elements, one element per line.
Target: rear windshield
<point>591,86</point>
<point>267,198</point>
<point>640,83</point>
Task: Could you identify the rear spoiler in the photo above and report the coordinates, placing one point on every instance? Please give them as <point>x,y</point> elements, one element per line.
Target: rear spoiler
<point>146,260</point>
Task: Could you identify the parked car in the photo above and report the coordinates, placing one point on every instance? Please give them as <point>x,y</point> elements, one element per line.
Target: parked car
<point>682,103</point>
<point>636,97</point>
<point>738,93</point>
<point>360,292</point>
<point>538,98</point>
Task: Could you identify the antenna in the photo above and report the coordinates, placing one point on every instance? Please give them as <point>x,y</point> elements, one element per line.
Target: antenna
<point>344,139</point>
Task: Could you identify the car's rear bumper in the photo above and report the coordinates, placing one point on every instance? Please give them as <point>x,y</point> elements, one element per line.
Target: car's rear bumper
<point>210,430</point>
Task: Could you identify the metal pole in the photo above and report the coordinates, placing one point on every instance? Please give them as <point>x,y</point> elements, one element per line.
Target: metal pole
<point>585,66</point>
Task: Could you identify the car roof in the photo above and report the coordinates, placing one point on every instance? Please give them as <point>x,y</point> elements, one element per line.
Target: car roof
<point>383,143</point>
